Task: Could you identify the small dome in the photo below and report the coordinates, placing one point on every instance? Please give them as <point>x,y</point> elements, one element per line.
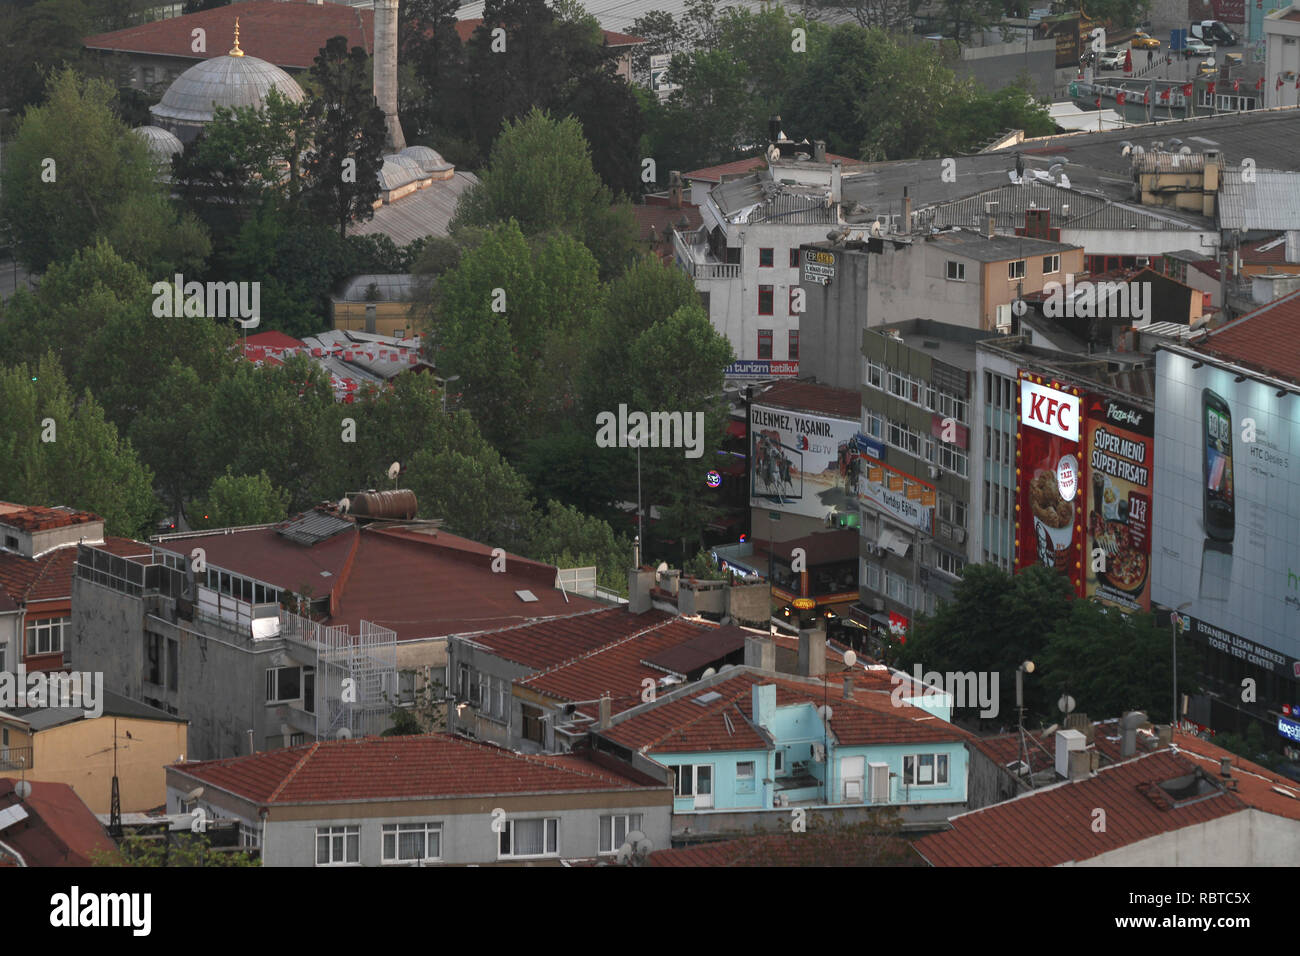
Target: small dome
<point>427,159</point>
<point>163,145</point>
<point>232,81</point>
<point>398,171</point>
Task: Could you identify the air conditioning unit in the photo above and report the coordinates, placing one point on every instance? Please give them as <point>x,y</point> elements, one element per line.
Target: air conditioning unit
<point>1004,316</point>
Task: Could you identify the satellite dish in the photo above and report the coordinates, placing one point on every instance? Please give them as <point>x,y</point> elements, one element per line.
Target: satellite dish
<point>825,712</point>
<point>708,672</point>
<point>23,789</point>
<point>194,794</point>
<point>1185,151</point>
<point>1051,730</point>
<point>850,658</point>
<point>1138,150</point>
<point>344,505</point>
<point>1065,704</point>
<point>635,849</point>
<point>659,571</point>
<point>725,668</point>
<point>394,470</point>
<point>1055,170</point>
<point>1064,181</point>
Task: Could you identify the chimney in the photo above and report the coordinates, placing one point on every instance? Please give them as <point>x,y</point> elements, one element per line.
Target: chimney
<point>1165,734</point>
<point>990,228</point>
<point>819,150</point>
<point>1068,743</point>
<point>848,686</point>
<point>812,652</point>
<point>1080,763</point>
<point>836,191</point>
<point>1128,726</point>
<point>763,704</point>
<point>760,652</point>
<point>1225,766</point>
<point>639,582</point>
<point>774,128</point>
<point>907,212</point>
<point>386,72</point>
<point>674,190</point>
<point>604,711</point>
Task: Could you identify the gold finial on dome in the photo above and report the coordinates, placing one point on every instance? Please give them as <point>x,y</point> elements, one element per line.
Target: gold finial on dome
<point>236,51</point>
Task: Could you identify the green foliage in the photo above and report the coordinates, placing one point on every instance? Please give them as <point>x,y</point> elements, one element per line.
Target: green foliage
<point>85,465</point>
<point>235,501</point>
<point>540,175</point>
<point>104,185</point>
<point>39,38</point>
<point>183,850</point>
<point>479,495</point>
<point>701,566</point>
<point>567,538</point>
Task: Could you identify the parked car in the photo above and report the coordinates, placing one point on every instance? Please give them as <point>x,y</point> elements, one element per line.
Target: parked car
<point>1197,48</point>
<point>1111,60</point>
<point>1144,41</point>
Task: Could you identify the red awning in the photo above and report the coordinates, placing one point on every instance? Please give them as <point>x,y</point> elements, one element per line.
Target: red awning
<point>736,429</point>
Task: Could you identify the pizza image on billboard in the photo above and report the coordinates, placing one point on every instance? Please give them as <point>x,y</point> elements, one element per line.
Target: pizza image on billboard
<point>1119,446</point>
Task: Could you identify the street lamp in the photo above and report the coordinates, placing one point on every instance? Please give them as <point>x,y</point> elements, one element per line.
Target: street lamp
<point>637,443</point>
<point>1026,667</point>
<point>1173,641</point>
<point>444,382</point>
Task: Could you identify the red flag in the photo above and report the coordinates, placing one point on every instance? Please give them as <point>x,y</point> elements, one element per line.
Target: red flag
<point>1297,82</point>
<point>1146,97</point>
<point>1210,88</point>
<point>1236,86</point>
<point>1120,98</point>
<point>1187,89</point>
<point>1164,94</point>
<point>1279,82</point>
<point>1259,84</point>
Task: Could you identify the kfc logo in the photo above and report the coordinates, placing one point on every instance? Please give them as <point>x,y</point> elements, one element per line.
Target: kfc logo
<point>1049,410</point>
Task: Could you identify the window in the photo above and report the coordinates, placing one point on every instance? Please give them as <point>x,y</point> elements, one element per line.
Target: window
<point>794,257</point>
<point>46,637</point>
<point>765,344</point>
<point>11,542</point>
<point>765,300</point>
<point>540,837</point>
<point>153,658</point>
<point>533,728</point>
<point>956,271</point>
<point>614,830</point>
<point>875,373</point>
<point>337,846</point>
<point>1016,269</point>
<point>412,842</point>
<point>463,682</point>
<point>1051,264</point>
<point>765,259</point>
<point>949,563</point>
<point>745,776</point>
<point>875,425</point>
<point>502,687</point>
<point>925,770</point>
<point>778,762</point>
<point>309,689</point>
<point>283,684</point>
<point>794,345</point>
<point>173,663</point>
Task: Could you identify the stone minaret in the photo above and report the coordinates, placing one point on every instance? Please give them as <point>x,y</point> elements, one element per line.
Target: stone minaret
<point>386,71</point>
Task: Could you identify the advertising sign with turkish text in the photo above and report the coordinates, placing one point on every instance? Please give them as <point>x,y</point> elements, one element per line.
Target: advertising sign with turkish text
<point>1120,444</point>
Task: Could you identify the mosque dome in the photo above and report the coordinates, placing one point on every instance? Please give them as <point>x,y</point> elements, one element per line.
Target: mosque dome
<point>234,81</point>
<point>162,144</point>
<point>427,159</point>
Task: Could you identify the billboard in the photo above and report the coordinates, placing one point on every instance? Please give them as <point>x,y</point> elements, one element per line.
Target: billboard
<point>1119,447</point>
<point>1050,501</point>
<point>810,465</point>
<point>1227,511</point>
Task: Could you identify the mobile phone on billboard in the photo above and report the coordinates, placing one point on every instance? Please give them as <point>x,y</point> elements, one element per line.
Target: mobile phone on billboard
<point>1216,424</point>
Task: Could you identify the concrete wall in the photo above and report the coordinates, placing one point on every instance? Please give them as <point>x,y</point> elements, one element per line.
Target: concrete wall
<point>1001,65</point>
<point>504,731</point>
<point>750,603</point>
<point>830,339</point>
<point>1248,838</point>
<point>988,782</point>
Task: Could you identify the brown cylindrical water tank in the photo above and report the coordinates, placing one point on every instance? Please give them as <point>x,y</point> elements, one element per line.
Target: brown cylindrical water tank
<point>397,505</point>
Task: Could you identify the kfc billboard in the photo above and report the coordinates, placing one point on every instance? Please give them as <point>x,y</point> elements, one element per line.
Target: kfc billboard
<point>1120,451</point>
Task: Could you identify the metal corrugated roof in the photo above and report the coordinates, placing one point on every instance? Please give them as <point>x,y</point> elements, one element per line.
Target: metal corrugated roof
<point>427,212</point>
<point>619,14</point>
<point>1272,201</point>
<point>312,527</point>
<point>1086,211</point>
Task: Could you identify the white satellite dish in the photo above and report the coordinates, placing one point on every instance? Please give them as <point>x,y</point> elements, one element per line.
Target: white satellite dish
<point>635,850</point>
<point>659,571</point>
<point>1065,704</point>
<point>708,672</point>
<point>194,794</point>
<point>23,789</point>
<point>344,505</point>
<point>850,658</point>
<point>394,470</point>
<point>825,712</point>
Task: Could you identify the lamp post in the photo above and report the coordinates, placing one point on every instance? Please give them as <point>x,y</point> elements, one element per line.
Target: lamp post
<point>1173,642</point>
<point>640,531</point>
<point>1026,667</point>
<point>444,382</point>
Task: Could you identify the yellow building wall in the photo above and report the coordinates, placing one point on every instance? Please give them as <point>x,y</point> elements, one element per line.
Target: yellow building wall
<point>391,318</point>
<point>80,754</point>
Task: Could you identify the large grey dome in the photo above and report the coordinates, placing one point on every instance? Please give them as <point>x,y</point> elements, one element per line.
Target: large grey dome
<point>232,81</point>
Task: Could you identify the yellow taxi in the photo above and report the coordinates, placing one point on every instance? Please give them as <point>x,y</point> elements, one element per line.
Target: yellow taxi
<point>1145,42</point>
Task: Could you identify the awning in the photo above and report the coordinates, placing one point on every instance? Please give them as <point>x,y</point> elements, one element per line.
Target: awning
<point>894,541</point>
<point>737,429</point>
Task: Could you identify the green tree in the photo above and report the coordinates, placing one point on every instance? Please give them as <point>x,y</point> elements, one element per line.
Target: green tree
<point>479,496</point>
<point>182,850</point>
<point>39,37</point>
<point>168,431</point>
<point>567,538</point>
<point>347,131</point>
<point>75,173</point>
<point>541,176</point>
<point>60,450</point>
<point>431,82</point>
<point>234,501</point>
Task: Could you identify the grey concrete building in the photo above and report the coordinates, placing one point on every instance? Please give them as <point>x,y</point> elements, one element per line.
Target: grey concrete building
<point>427,801</point>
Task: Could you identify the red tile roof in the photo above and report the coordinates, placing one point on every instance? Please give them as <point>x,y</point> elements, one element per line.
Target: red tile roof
<point>403,768</point>
<point>287,33</point>
<point>59,829</point>
<point>546,644</point>
<point>1263,340</point>
<point>813,848</point>
<point>1253,251</point>
<point>1052,826</point>
<point>35,518</point>
<point>49,577</point>
<point>681,724</point>
<point>1257,786</point>
<point>811,397</point>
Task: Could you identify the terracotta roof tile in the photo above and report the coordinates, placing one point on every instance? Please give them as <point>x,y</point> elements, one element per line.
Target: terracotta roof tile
<point>402,768</point>
<point>1263,339</point>
<point>812,848</point>
<point>49,577</point>
<point>60,830</point>
<point>547,644</point>
<point>37,518</point>
<point>811,397</point>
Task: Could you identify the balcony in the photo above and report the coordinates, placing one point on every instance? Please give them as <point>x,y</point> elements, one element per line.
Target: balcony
<point>15,758</point>
<point>694,257</point>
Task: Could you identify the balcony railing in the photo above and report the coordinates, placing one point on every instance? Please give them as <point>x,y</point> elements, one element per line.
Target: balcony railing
<point>691,256</point>
<point>15,758</point>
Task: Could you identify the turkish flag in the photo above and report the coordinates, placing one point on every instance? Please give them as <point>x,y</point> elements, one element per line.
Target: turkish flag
<point>1164,94</point>
<point>1236,86</point>
<point>1120,98</point>
<point>1099,98</point>
<point>1146,97</point>
<point>1187,89</point>
<point>1210,89</point>
<point>1259,84</point>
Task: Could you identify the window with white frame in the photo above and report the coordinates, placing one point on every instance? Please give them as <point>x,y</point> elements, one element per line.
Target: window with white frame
<point>875,374</point>
<point>537,837</point>
<point>953,460</point>
<point>778,762</point>
<point>956,271</point>
<point>925,770</point>
<point>1051,264</point>
<point>614,830</point>
<point>897,384</point>
<point>338,846</point>
<point>950,406</point>
<point>1016,269</point>
<point>745,776</point>
<point>46,637</point>
<point>283,684</point>
<point>875,425</point>
<point>949,563</point>
<point>872,576</point>
<point>412,842</point>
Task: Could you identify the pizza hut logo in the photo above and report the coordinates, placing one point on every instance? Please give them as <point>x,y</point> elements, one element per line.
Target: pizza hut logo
<point>1127,416</point>
<point>1049,410</point>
